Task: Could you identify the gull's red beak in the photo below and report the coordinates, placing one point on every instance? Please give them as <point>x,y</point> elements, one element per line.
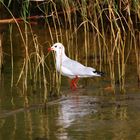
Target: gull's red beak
<point>49,49</point>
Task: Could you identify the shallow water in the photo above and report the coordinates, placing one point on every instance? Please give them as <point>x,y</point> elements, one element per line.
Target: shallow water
<point>76,116</point>
<point>92,112</point>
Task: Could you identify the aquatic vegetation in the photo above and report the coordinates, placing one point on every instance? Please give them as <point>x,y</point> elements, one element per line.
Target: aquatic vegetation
<point>110,35</point>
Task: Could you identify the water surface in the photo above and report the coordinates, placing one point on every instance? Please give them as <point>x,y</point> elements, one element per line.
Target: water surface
<point>92,112</point>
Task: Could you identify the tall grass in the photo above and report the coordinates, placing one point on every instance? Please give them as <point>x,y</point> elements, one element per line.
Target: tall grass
<point>110,24</point>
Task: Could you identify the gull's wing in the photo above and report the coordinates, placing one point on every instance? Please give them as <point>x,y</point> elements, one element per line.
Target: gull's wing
<point>76,68</point>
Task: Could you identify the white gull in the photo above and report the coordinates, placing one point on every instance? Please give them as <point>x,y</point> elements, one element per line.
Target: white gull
<point>71,68</point>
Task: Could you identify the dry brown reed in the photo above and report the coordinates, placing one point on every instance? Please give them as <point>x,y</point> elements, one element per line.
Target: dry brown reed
<point>111,25</point>
<point>1,54</point>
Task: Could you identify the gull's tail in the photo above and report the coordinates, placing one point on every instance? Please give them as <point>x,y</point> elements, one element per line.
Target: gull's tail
<point>98,73</point>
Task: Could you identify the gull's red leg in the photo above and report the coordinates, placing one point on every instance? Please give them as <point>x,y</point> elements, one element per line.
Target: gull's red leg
<point>74,81</point>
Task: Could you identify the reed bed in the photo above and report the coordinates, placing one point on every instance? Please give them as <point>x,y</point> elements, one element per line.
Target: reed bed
<point>113,28</point>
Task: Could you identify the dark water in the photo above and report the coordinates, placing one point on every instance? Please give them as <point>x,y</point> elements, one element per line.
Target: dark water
<point>92,112</point>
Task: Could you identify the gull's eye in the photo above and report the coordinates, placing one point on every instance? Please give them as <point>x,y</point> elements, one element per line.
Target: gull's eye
<point>55,46</point>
